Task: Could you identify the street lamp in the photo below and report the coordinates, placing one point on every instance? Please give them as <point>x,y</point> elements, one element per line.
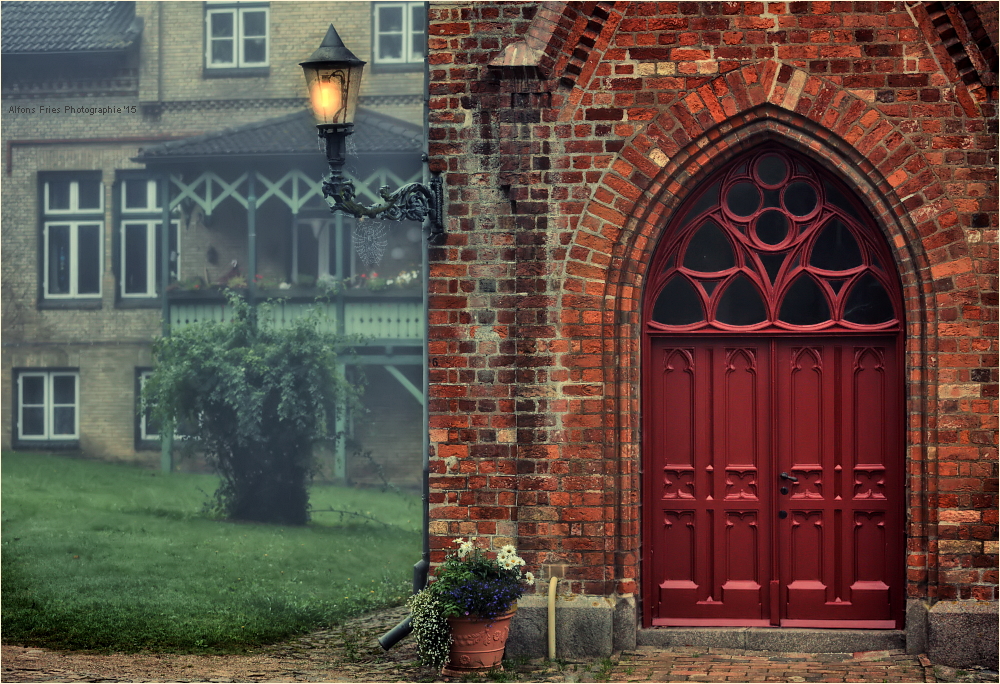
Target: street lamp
<point>333,76</point>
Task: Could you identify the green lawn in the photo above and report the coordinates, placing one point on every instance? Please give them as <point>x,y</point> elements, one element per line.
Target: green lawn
<point>114,557</point>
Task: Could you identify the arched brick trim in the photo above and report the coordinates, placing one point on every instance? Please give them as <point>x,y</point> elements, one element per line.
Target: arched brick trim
<point>622,224</point>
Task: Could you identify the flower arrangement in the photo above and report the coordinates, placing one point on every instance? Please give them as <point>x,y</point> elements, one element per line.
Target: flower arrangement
<point>469,582</point>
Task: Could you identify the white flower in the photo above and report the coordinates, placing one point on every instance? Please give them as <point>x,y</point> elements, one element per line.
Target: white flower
<point>529,578</point>
<point>464,547</point>
<point>508,550</point>
<point>508,563</point>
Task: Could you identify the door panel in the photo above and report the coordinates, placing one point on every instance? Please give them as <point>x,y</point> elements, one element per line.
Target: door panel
<point>780,482</point>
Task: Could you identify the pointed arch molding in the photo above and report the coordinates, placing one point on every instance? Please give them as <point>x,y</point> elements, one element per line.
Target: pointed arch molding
<point>622,224</point>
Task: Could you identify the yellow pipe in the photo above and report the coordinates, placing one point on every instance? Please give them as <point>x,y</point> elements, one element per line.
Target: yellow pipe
<point>553,581</point>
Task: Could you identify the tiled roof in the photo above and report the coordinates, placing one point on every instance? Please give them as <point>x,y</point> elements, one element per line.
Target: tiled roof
<point>374,133</point>
<point>46,27</point>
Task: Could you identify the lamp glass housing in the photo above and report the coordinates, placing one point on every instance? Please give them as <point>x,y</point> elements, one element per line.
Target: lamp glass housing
<point>333,90</point>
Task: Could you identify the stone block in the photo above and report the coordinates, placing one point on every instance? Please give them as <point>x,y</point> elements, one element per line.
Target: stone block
<point>963,633</point>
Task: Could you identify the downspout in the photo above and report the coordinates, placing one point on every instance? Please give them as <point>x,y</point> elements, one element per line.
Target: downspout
<point>166,438</point>
<point>422,568</point>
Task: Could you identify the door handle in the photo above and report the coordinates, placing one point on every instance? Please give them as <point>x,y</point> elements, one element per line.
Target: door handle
<point>786,476</point>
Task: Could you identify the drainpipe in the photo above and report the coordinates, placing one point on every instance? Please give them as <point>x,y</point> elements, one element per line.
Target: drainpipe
<point>166,440</point>
<point>422,568</point>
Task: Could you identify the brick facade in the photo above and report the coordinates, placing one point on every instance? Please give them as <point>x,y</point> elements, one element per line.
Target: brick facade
<point>569,133</point>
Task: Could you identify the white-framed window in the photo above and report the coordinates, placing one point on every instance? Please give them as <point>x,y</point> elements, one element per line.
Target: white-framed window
<point>73,259</point>
<point>141,265</point>
<point>72,237</point>
<point>48,405</point>
<point>314,249</point>
<point>399,33</point>
<point>236,35</point>
<point>140,195</point>
<point>148,428</point>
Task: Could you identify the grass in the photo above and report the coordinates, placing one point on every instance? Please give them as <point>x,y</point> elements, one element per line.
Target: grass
<point>111,557</point>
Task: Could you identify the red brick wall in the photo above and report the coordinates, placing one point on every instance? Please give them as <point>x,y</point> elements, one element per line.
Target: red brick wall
<point>563,163</point>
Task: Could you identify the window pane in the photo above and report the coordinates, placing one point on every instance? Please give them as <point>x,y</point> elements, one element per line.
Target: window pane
<point>308,252</point>
<point>254,24</point>
<point>804,303</point>
<point>222,24</point>
<point>135,194</point>
<point>835,248</point>
<point>772,170</point>
<point>33,422</point>
<point>800,198</point>
<point>741,303</point>
<point>390,46</point>
<point>222,52</point>
<point>417,47</point>
<point>58,259</point>
<point>708,199</point>
<point>418,36</point>
<point>255,51</point>
<point>32,390</point>
<point>58,194</point>
<point>772,227</point>
<point>89,194</point>
<point>709,250</point>
<point>174,253</point>
<point>136,258</point>
<point>390,19</point>
<point>64,389</point>
<point>678,303</point>
<point>63,421</point>
<point>868,303</point>
<point>743,199</point>
<point>88,243</point>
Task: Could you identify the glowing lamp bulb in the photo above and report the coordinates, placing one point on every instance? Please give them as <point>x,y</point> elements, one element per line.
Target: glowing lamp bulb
<point>327,100</point>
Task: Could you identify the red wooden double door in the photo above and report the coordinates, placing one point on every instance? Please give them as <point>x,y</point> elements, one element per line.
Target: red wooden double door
<point>779,483</point>
<point>772,416</point>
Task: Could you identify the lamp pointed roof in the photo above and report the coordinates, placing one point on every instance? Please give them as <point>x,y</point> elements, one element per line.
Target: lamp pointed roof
<point>332,49</point>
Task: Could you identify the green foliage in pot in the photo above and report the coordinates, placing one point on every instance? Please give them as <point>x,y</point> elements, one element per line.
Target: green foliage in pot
<point>257,398</point>
<point>471,581</point>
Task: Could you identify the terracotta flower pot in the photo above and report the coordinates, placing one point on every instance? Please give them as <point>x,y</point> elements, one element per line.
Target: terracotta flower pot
<point>477,643</point>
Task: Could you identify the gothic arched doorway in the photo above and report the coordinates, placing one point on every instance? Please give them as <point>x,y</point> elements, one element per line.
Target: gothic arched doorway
<point>773,415</point>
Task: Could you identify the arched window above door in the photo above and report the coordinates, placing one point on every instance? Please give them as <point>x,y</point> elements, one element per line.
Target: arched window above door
<point>772,241</point>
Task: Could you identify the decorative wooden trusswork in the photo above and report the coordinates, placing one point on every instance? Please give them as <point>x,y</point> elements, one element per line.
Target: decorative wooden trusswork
<point>773,425</point>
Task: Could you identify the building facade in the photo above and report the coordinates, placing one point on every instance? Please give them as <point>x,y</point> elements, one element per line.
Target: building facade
<point>106,104</point>
<point>713,335</point>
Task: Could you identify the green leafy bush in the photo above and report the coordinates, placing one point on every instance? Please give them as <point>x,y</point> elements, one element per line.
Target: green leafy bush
<point>258,398</point>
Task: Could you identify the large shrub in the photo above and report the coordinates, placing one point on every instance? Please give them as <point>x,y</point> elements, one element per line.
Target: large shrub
<point>256,398</point>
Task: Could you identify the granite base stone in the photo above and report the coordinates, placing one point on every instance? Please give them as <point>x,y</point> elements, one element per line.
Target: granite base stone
<point>963,633</point>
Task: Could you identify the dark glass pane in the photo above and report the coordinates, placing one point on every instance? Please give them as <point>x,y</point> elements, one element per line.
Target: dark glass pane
<point>390,19</point>
<point>772,198</point>
<point>741,303</point>
<point>308,252</point>
<point>804,303</point>
<point>772,227</point>
<point>743,199</point>
<point>33,422</point>
<point>837,199</point>
<point>741,169</point>
<point>772,263</point>
<point>63,421</point>
<point>419,31</point>
<point>33,390</point>
<point>254,24</point>
<point>63,389</point>
<point>58,194</point>
<point>835,248</point>
<point>868,303</point>
<point>836,285</point>
<point>135,194</point>
<point>670,262</point>
<point>222,25</point>
<point>254,51</point>
<point>89,194</point>
<point>709,250</point>
<point>174,254</point>
<point>678,303</point>
<point>390,46</point>
<point>709,286</point>
<point>88,267</point>
<point>800,198</point>
<point>772,170</point>
<point>136,258</point>
<point>706,201</point>
<point>58,259</point>
<point>802,169</point>
<point>222,52</point>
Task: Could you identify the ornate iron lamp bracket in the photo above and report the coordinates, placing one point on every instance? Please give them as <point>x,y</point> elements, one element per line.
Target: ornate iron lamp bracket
<point>412,202</point>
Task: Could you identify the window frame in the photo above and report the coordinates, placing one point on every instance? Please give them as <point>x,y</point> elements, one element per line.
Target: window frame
<point>143,438</point>
<point>48,406</point>
<point>152,290</point>
<point>406,62</point>
<point>74,218</point>
<point>238,66</point>
<point>150,214</point>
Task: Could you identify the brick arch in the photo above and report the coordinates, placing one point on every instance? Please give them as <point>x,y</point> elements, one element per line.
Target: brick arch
<point>629,210</point>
